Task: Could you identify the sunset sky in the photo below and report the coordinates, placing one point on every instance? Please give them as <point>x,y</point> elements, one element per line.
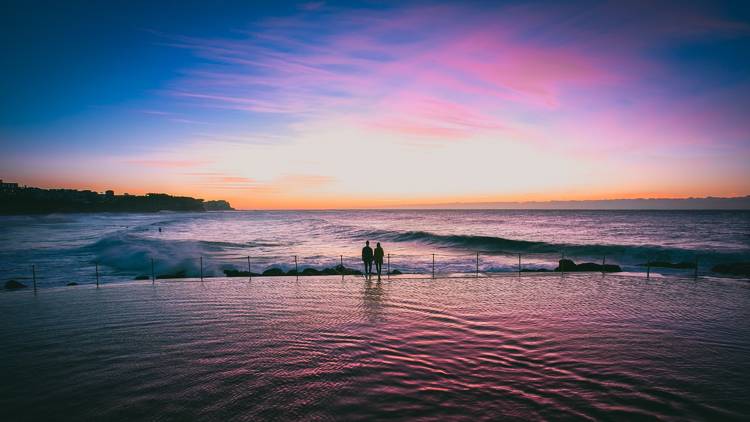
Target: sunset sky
<point>369,104</point>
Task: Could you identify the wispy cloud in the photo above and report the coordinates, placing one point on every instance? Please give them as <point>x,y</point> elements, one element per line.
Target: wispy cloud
<point>168,164</point>
<point>361,64</point>
<point>286,183</point>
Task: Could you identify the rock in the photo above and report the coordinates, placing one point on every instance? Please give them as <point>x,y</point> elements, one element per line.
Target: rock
<point>395,272</point>
<point>733,268</point>
<point>72,283</point>
<point>311,271</point>
<point>330,271</point>
<point>567,265</point>
<point>346,271</point>
<point>276,272</point>
<point>273,272</point>
<point>13,284</point>
<point>237,273</point>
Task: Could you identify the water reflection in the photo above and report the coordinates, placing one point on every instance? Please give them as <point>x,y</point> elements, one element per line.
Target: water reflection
<point>529,348</point>
<point>372,298</point>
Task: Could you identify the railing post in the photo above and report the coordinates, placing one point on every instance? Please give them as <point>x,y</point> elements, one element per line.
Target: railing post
<point>342,267</point>
<point>33,275</point>
<point>519,264</point>
<point>433,265</point>
<point>388,268</point>
<point>201,268</point>
<point>96,265</point>
<point>604,262</point>
<point>296,270</point>
<point>477,273</point>
<point>249,274</point>
<point>153,274</point>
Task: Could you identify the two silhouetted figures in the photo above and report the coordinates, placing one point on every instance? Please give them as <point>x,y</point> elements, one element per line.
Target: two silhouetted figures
<point>368,256</point>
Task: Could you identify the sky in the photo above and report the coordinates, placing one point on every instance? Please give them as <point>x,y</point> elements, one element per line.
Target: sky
<point>374,104</point>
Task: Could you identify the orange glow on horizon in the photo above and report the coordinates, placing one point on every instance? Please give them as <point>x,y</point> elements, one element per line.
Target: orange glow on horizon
<point>272,200</point>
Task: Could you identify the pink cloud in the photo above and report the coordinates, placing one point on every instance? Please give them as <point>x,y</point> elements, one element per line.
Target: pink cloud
<point>284,183</point>
<point>442,72</point>
<point>425,116</point>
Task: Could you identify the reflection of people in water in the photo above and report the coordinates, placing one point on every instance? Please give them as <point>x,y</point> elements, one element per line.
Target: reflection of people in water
<point>367,258</point>
<point>379,258</point>
<point>373,297</point>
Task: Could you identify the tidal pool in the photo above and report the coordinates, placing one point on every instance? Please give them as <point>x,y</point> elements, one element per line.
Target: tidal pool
<point>321,348</point>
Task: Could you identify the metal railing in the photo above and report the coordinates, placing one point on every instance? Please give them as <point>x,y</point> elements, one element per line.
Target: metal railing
<point>409,266</point>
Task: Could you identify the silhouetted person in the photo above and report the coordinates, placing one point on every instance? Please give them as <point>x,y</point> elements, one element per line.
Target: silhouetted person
<point>159,229</point>
<point>379,259</point>
<point>367,258</point>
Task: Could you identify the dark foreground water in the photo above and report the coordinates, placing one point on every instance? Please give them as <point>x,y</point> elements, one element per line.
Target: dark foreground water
<point>530,348</point>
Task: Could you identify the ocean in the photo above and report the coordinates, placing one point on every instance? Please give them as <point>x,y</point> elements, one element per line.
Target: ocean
<point>66,248</point>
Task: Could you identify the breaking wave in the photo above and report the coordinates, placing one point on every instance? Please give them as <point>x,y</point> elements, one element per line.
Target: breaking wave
<point>499,245</point>
<point>130,253</point>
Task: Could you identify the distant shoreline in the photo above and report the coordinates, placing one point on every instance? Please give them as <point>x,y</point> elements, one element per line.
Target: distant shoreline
<point>17,200</point>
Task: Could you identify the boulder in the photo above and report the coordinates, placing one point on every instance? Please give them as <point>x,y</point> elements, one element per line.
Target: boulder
<point>346,271</point>
<point>395,272</point>
<point>274,272</point>
<point>13,284</point>
<point>311,271</point>
<point>72,283</point>
<point>330,271</point>
<point>567,265</point>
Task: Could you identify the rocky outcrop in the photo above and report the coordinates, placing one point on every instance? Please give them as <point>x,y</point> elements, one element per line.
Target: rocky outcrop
<point>273,272</point>
<point>568,266</point>
<point>219,205</point>
<point>277,272</point>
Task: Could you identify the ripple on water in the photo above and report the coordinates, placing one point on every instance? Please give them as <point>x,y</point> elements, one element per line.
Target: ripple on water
<point>535,347</point>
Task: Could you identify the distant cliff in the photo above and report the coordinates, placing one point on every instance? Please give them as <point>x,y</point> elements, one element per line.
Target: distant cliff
<point>219,205</point>
<point>27,200</point>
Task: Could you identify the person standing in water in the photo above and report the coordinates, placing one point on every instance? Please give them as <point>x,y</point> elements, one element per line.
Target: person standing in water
<point>367,258</point>
<point>379,259</point>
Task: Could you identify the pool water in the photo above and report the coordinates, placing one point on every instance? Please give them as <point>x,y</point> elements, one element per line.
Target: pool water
<point>321,348</point>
